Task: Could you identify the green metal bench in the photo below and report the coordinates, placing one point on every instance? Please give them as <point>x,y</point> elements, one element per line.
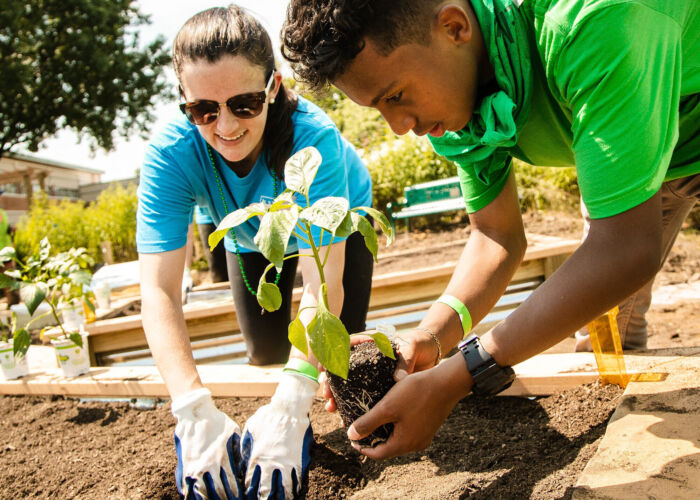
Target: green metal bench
<point>428,198</point>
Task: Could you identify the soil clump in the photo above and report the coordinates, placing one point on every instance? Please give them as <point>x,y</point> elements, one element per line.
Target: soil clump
<point>370,377</point>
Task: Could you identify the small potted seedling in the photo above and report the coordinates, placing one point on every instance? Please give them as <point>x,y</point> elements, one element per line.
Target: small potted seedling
<point>14,343</point>
<point>62,282</point>
<point>355,379</point>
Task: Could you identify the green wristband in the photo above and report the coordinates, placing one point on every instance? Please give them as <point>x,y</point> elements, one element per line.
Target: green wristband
<point>302,368</point>
<point>460,309</point>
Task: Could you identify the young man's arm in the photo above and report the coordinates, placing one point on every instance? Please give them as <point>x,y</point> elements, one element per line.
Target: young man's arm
<point>620,254</point>
<point>494,251</point>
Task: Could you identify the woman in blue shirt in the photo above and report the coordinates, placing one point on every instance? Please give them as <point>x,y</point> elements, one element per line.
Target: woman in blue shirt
<point>227,151</point>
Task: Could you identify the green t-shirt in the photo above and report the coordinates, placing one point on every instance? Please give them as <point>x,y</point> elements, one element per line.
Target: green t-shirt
<point>615,92</point>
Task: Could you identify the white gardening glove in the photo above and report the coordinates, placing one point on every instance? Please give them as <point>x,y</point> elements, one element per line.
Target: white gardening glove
<point>207,443</point>
<point>277,440</point>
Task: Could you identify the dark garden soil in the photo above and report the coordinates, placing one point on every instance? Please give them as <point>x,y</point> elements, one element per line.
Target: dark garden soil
<point>497,448</point>
<point>488,448</point>
<point>370,377</point>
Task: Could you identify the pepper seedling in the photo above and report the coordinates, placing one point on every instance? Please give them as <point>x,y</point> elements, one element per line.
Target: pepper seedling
<point>327,336</point>
<point>59,280</point>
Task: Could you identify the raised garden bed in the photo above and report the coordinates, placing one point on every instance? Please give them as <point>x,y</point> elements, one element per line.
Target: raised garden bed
<point>506,447</point>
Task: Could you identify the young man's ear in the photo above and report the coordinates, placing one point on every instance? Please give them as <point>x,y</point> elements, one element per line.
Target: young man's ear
<point>454,22</point>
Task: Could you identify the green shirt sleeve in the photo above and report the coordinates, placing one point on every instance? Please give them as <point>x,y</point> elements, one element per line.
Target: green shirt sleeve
<point>476,192</point>
<point>620,73</point>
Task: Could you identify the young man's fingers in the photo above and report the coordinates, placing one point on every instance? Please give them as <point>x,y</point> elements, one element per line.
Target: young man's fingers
<point>368,422</point>
<point>379,452</point>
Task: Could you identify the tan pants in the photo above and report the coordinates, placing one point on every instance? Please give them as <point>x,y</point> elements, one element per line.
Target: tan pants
<point>678,197</point>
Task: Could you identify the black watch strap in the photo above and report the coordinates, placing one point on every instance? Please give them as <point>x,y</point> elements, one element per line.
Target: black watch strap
<point>489,377</point>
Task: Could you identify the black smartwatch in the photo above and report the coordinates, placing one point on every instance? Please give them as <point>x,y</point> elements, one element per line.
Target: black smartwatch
<point>489,378</point>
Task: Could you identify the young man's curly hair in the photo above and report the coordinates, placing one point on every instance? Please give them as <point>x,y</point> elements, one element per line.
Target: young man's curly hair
<point>321,37</point>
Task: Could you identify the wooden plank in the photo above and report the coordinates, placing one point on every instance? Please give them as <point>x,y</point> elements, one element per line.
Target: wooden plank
<point>206,320</point>
<point>542,375</point>
<point>651,448</point>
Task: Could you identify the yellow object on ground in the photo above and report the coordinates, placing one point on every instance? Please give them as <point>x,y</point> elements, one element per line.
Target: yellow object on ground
<point>607,347</point>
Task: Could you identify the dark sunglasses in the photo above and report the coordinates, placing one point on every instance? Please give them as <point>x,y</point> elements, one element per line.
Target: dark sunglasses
<point>243,106</point>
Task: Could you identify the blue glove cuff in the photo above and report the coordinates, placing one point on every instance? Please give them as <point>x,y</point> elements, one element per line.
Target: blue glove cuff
<point>301,367</point>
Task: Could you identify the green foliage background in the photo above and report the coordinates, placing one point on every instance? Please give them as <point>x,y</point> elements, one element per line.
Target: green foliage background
<point>68,224</point>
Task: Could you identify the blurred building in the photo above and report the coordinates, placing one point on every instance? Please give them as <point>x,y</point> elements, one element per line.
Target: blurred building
<point>22,175</point>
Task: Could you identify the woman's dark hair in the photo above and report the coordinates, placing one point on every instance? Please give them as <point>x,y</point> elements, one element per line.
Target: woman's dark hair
<point>221,31</point>
<point>321,37</point>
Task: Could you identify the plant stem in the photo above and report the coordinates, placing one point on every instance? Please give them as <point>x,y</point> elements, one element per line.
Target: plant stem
<point>55,315</point>
<point>317,257</point>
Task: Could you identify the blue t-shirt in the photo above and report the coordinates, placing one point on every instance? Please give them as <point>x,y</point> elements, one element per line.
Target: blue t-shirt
<point>202,215</point>
<point>177,175</point>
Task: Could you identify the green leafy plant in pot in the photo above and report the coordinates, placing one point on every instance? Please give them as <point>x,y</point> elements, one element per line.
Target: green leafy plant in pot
<point>61,281</point>
<point>14,343</point>
<point>325,334</point>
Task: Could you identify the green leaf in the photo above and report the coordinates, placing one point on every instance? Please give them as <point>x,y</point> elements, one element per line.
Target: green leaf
<point>235,219</point>
<point>273,236</point>
<point>32,294</point>
<point>81,277</point>
<point>14,273</point>
<point>7,282</point>
<point>383,222</point>
<point>76,338</point>
<point>297,335</point>
<point>269,296</point>
<point>301,168</point>
<point>283,201</point>
<point>7,254</point>
<point>356,222</point>
<point>21,340</point>
<point>367,231</point>
<point>44,249</point>
<point>346,227</point>
<point>328,212</point>
<point>383,344</point>
<point>329,339</point>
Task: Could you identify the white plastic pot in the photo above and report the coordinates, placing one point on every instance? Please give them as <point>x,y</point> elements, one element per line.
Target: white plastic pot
<point>72,359</point>
<point>73,316</point>
<point>12,367</point>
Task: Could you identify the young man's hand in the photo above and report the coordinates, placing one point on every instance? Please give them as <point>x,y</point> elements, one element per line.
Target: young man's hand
<point>417,406</point>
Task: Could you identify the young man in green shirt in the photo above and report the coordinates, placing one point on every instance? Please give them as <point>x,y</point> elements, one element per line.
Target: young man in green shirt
<point>610,86</point>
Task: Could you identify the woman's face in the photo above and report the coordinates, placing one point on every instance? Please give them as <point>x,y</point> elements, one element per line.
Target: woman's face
<point>234,138</point>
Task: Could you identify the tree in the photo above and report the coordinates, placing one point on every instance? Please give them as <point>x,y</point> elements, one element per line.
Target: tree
<point>76,65</point>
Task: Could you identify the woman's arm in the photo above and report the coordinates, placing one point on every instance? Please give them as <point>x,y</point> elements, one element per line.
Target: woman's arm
<point>164,322</point>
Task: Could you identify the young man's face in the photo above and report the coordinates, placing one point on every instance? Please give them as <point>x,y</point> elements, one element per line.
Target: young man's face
<point>427,89</point>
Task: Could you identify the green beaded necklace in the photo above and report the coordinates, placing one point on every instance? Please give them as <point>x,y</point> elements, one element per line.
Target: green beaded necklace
<point>233,233</point>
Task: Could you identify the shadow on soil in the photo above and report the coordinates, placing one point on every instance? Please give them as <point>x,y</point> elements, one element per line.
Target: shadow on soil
<point>516,441</point>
